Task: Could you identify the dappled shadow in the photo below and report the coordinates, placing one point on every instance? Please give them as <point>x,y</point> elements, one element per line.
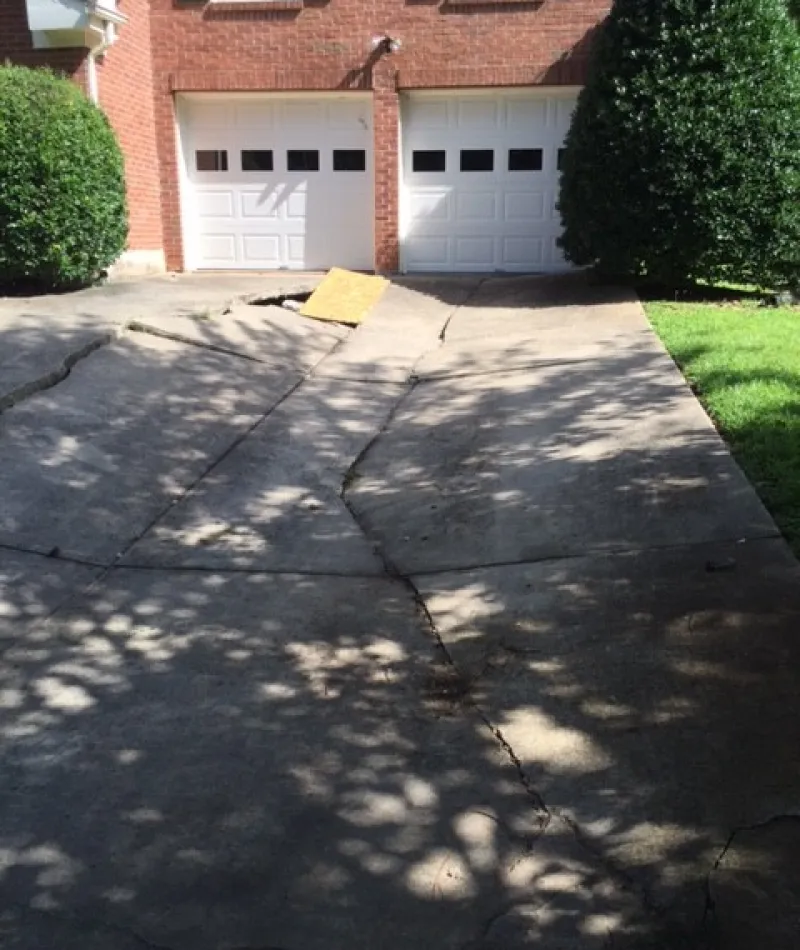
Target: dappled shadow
<point>225,757</point>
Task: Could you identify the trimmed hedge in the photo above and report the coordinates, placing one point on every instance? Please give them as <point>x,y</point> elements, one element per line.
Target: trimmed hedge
<point>63,214</point>
<point>683,158</point>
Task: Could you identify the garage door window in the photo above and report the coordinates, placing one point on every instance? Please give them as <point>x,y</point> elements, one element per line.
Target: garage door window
<point>211,160</point>
<point>257,160</point>
<point>428,161</point>
<point>477,160</point>
<point>349,160</point>
<point>302,160</point>
<point>524,159</point>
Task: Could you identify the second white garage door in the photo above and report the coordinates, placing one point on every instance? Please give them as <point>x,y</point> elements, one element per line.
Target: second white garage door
<point>273,183</point>
<point>480,180</point>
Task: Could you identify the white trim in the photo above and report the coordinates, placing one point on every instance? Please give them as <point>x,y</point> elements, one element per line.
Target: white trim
<point>257,95</point>
<point>550,92</point>
<point>185,192</point>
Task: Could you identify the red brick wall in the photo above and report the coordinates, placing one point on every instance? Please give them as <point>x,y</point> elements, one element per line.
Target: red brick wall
<point>125,86</point>
<point>325,45</point>
<point>126,95</point>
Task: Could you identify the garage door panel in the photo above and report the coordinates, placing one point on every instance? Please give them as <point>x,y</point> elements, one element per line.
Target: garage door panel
<point>258,204</point>
<point>311,217</point>
<point>526,113</point>
<point>429,252</point>
<point>216,204</point>
<point>476,252</point>
<point>477,206</point>
<point>218,248</point>
<point>522,252</point>
<point>431,114</point>
<point>349,115</point>
<point>500,212</point>
<point>296,204</point>
<point>255,116</point>
<point>430,206</point>
<point>477,114</point>
<point>258,248</point>
<point>524,206</point>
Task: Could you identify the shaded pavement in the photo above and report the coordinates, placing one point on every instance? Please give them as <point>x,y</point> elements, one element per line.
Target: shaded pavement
<point>460,630</point>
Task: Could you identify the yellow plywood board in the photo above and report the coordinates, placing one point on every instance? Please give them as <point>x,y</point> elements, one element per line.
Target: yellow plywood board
<point>344,297</point>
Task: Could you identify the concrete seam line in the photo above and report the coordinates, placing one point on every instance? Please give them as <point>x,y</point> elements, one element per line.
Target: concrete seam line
<point>595,553</point>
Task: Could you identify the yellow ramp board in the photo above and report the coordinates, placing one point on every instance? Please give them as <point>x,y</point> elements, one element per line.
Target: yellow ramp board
<point>344,296</point>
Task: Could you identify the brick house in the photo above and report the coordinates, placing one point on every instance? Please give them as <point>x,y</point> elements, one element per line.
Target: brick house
<point>418,135</point>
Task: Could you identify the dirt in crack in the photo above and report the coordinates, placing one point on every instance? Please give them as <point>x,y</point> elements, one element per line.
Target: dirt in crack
<point>281,300</point>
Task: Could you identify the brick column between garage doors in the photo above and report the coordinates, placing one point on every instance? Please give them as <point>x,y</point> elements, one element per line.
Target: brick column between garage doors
<point>386,106</point>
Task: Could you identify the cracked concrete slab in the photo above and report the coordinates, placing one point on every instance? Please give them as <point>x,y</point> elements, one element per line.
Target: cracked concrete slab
<point>556,461</point>
<point>212,760</point>
<point>401,328</point>
<point>508,306</point>
<point>275,502</point>
<point>272,335</point>
<point>38,334</point>
<point>91,462</point>
<point>481,343</point>
<point>33,586</point>
<point>649,696</point>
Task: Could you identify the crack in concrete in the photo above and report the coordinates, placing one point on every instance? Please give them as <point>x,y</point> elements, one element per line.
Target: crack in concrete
<point>60,373</point>
<point>710,909</point>
<point>137,326</point>
<point>545,814</point>
<point>53,554</point>
<point>454,311</point>
<point>351,474</point>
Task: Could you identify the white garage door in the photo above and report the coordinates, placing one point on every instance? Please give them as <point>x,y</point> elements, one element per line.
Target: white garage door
<point>277,183</point>
<point>480,174</point>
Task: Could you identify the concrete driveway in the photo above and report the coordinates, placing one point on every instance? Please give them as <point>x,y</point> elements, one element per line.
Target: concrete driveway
<point>461,631</point>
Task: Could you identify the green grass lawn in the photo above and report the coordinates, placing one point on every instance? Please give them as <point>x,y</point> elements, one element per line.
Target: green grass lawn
<point>743,361</point>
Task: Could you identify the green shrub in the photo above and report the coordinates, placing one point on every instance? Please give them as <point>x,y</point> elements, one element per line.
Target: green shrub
<point>683,158</point>
<point>63,216</point>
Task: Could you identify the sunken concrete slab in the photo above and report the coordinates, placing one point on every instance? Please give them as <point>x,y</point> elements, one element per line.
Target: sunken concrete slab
<point>650,697</point>
<point>90,463</point>
<point>210,761</point>
<point>403,326</point>
<point>558,460</point>
<point>480,341</point>
<point>40,337</point>
<point>269,334</point>
<point>275,503</point>
<point>33,586</point>
<point>501,306</point>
